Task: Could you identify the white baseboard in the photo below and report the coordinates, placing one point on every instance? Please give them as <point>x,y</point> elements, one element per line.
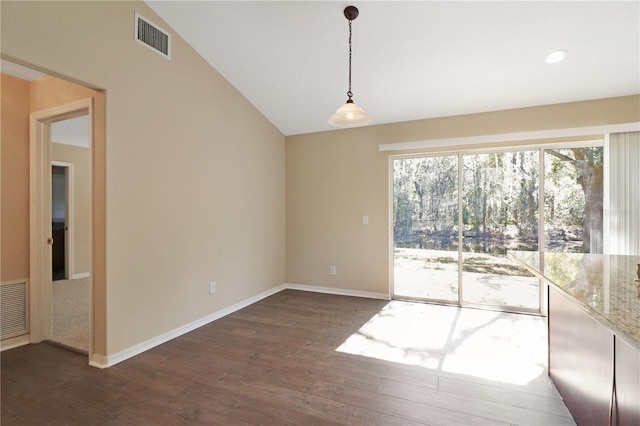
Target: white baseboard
<point>98,361</point>
<point>15,342</point>
<point>339,291</point>
<point>107,361</point>
<point>80,275</point>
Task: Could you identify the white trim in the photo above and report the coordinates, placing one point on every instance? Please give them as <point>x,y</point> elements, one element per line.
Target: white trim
<point>80,275</point>
<point>390,230</point>
<point>513,137</point>
<point>460,191</point>
<point>338,291</point>
<point>14,342</point>
<point>100,361</point>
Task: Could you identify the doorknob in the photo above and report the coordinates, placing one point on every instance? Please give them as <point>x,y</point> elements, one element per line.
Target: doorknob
<point>50,241</point>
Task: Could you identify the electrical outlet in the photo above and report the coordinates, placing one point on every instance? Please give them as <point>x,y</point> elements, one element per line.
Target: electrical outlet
<point>332,270</point>
<point>212,287</point>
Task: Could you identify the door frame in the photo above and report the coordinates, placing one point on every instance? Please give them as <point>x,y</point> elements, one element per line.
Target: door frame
<point>68,221</point>
<point>40,215</point>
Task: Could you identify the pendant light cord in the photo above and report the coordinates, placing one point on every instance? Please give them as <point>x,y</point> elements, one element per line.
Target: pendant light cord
<point>349,94</point>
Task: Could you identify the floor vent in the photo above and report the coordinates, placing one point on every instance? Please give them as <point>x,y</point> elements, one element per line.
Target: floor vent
<point>152,36</point>
<point>14,313</point>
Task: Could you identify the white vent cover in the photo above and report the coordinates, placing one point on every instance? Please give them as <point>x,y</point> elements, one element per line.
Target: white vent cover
<point>152,36</point>
<point>14,314</point>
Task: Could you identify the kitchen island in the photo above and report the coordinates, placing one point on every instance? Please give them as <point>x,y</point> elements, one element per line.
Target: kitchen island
<point>594,332</point>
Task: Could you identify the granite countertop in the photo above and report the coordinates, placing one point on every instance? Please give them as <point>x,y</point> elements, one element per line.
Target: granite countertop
<point>603,285</point>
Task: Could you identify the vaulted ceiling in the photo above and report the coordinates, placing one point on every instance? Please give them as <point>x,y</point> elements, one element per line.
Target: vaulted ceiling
<point>412,60</point>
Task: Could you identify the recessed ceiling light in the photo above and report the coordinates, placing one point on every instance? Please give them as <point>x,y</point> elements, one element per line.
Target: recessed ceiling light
<point>555,57</point>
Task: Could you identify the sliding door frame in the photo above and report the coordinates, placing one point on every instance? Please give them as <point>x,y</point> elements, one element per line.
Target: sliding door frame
<point>542,291</point>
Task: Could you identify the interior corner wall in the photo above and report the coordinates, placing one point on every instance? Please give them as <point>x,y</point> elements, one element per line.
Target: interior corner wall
<point>336,177</point>
<point>81,186</point>
<point>14,145</point>
<point>195,175</point>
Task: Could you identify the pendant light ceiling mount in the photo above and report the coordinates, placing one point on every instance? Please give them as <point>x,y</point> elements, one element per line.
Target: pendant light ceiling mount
<point>351,12</point>
<point>350,114</point>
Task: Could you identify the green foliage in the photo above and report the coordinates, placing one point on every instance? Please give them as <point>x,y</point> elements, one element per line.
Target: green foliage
<point>425,197</point>
<point>500,189</point>
<point>564,198</point>
<point>500,194</point>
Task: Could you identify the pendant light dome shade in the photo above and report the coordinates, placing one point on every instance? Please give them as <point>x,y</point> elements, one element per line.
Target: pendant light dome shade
<point>349,115</point>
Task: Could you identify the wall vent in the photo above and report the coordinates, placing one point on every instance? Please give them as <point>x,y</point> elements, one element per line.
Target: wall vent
<point>152,36</point>
<point>14,312</point>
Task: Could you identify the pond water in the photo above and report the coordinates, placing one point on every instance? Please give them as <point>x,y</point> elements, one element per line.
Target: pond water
<point>489,245</point>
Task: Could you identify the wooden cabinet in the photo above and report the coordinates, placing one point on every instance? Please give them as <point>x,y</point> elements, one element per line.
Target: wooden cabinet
<point>581,364</point>
<point>580,360</point>
<point>594,333</point>
<point>627,406</point>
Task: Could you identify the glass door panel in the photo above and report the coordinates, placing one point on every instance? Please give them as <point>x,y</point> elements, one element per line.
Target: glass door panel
<point>499,213</point>
<point>573,193</point>
<point>425,228</point>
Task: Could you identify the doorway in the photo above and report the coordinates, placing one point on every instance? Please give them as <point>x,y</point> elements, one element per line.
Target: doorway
<point>60,192</point>
<point>70,229</point>
<point>425,228</point>
<point>61,217</point>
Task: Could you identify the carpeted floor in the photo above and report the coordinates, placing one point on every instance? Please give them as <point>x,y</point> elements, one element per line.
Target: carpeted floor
<point>70,321</point>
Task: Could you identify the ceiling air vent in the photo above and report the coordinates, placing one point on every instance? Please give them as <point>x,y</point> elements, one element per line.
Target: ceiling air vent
<point>152,36</point>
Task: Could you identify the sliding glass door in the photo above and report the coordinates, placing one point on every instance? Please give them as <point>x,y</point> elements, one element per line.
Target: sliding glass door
<point>499,213</point>
<point>455,216</point>
<point>425,228</point>
<point>573,199</point>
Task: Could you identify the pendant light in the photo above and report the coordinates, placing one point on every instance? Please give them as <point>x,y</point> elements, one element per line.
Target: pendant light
<point>350,114</point>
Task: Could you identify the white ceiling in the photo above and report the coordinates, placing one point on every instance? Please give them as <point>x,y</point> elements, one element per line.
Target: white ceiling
<point>19,71</point>
<point>412,60</point>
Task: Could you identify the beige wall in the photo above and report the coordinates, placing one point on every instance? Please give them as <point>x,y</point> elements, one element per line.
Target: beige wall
<point>81,212</point>
<point>336,177</point>
<point>195,174</point>
<point>14,211</point>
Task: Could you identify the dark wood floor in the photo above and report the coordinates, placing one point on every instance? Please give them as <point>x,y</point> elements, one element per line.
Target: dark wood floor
<point>272,363</point>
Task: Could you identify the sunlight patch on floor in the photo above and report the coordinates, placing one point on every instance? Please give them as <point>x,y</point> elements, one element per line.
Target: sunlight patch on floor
<point>497,346</point>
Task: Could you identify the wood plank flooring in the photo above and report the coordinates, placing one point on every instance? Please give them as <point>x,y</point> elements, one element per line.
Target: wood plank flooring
<point>276,363</point>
